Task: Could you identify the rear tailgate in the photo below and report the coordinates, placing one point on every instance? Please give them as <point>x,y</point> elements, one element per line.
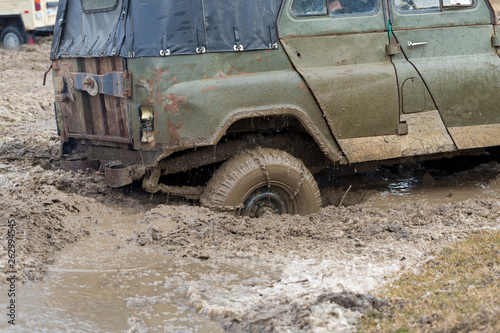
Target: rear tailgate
<point>91,99</point>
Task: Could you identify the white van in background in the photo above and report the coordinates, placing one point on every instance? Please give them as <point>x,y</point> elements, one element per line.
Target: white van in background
<point>20,20</point>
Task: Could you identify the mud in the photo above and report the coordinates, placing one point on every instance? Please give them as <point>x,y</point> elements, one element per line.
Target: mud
<point>99,259</point>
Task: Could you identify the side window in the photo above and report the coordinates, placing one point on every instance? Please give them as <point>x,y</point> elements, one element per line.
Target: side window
<point>98,6</point>
<point>352,7</point>
<point>409,5</point>
<point>308,8</point>
<point>419,5</point>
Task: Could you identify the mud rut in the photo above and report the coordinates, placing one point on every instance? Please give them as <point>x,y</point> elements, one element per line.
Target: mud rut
<point>118,260</point>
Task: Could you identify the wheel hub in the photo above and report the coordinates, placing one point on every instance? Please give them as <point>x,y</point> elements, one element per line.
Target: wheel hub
<point>11,41</point>
<point>265,201</point>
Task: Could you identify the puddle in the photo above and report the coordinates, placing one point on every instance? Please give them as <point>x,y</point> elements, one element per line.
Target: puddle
<point>102,300</point>
<point>103,284</point>
<point>106,282</point>
<point>410,190</point>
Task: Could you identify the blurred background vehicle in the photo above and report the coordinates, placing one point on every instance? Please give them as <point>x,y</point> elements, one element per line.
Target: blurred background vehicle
<point>21,20</point>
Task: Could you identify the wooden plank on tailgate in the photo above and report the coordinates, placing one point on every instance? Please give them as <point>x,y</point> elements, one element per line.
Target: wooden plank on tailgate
<point>112,104</point>
<point>99,119</point>
<point>123,101</point>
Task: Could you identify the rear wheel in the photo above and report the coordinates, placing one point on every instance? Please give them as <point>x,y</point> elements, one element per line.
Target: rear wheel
<point>263,181</point>
<point>12,37</point>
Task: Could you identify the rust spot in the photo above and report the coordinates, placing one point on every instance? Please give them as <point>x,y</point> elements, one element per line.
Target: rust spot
<point>302,86</point>
<point>238,72</point>
<point>209,88</point>
<point>152,85</point>
<point>182,99</point>
<point>173,103</point>
<point>173,132</point>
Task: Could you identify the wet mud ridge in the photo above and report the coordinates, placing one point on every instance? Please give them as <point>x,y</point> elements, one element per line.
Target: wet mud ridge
<point>179,267</point>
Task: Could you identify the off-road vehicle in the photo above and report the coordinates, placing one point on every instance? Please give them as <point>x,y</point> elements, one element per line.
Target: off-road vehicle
<point>269,92</point>
<point>21,20</point>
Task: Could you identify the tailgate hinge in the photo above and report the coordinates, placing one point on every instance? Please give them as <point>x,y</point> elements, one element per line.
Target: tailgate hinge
<point>117,84</point>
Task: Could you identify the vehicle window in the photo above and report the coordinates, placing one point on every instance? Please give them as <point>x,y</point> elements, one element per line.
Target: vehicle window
<point>409,5</point>
<point>308,8</point>
<point>97,6</point>
<point>418,5</point>
<point>343,7</point>
<point>458,3</point>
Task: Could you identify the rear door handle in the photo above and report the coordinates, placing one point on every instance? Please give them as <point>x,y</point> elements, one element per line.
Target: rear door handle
<point>411,45</point>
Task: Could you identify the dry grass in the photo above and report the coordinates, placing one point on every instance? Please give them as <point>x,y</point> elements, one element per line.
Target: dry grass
<point>457,291</point>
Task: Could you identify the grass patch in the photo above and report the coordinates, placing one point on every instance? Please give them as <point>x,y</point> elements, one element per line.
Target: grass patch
<point>457,291</point>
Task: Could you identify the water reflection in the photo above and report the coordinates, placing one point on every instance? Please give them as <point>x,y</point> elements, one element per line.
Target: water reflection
<point>86,300</point>
<point>106,284</point>
<point>401,187</point>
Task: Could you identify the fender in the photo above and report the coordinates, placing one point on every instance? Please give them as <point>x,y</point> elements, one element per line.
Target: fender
<point>198,112</point>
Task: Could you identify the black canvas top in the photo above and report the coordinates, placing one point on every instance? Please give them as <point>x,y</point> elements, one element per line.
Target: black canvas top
<point>145,28</point>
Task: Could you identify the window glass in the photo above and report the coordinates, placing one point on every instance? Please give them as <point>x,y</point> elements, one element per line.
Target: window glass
<point>96,6</point>
<point>308,8</point>
<point>343,7</point>
<point>409,5</point>
<point>458,3</point>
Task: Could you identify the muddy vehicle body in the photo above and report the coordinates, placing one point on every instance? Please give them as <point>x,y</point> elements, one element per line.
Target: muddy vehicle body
<point>23,19</point>
<point>267,93</point>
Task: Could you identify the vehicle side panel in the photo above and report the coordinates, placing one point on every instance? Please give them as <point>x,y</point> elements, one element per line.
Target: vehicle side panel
<point>463,76</point>
<point>357,90</point>
<point>460,67</point>
<point>196,98</point>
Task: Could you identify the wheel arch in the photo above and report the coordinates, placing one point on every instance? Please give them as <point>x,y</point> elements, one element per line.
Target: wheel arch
<point>318,132</point>
<point>11,20</point>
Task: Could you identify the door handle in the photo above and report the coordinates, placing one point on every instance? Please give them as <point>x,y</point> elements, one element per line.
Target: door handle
<point>411,45</point>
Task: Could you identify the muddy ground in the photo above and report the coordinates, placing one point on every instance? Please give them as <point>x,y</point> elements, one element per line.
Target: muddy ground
<point>274,274</point>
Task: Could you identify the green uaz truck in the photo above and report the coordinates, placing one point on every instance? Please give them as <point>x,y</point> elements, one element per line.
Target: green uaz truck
<point>239,103</point>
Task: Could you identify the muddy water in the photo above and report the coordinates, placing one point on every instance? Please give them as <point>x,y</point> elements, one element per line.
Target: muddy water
<point>107,283</point>
<point>412,190</point>
<point>104,284</point>
<point>187,269</point>
<point>110,300</point>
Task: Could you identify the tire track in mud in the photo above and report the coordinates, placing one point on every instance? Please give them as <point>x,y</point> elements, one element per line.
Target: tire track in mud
<point>339,250</point>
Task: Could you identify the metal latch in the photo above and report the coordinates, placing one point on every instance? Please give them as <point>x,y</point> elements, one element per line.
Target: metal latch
<point>495,41</point>
<point>237,44</point>
<point>402,128</point>
<point>117,84</point>
<point>393,49</point>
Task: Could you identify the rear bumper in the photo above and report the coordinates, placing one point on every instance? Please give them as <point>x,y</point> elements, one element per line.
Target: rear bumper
<point>49,28</point>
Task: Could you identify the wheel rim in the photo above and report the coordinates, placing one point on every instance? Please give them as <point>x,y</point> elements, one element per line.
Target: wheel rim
<point>266,201</point>
<point>11,41</point>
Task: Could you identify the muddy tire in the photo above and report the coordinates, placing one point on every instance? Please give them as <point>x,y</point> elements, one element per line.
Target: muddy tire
<point>12,37</point>
<point>263,181</point>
